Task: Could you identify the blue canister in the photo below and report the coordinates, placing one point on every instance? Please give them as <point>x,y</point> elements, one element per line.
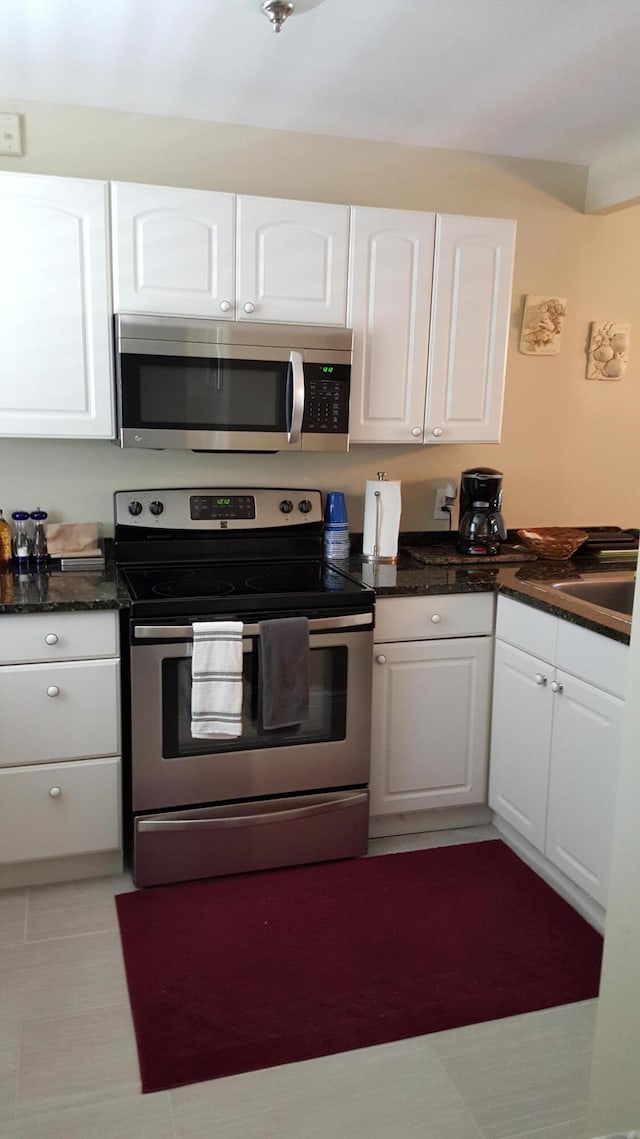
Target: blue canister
<point>336,526</point>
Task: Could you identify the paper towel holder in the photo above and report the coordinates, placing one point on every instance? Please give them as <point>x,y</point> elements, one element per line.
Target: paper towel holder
<point>376,556</point>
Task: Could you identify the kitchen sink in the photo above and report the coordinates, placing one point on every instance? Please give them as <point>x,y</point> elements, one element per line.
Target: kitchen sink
<point>613,592</point>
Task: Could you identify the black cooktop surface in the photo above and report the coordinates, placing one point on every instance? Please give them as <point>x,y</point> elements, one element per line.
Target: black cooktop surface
<point>229,586</point>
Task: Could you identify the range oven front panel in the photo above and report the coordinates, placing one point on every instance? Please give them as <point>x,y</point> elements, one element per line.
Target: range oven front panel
<point>329,750</point>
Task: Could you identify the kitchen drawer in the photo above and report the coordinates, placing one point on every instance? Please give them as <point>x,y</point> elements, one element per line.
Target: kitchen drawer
<point>527,628</point>
<point>53,810</point>
<point>57,636</point>
<point>442,615</point>
<point>593,657</point>
<point>59,711</point>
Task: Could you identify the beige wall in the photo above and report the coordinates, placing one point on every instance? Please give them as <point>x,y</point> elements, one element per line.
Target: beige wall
<point>569,449</point>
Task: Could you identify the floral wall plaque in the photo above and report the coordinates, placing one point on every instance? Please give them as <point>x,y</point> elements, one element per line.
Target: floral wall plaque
<point>542,324</point>
<point>608,350</point>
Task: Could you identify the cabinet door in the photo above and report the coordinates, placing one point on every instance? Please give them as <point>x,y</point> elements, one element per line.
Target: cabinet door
<point>390,275</point>
<point>473,270</point>
<point>291,261</point>
<point>521,741</point>
<point>583,779</point>
<point>173,251</point>
<point>430,724</point>
<point>55,323</point>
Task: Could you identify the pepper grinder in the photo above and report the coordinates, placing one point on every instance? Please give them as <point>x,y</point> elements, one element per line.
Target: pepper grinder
<point>39,551</point>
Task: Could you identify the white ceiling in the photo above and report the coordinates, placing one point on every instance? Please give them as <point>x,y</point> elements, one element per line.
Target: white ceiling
<point>549,79</point>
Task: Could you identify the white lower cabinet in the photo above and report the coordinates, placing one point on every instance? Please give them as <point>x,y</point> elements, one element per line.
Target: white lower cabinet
<point>431,699</point>
<point>60,737</point>
<point>555,739</point>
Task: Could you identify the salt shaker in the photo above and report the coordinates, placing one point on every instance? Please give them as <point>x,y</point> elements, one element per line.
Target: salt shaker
<point>39,551</point>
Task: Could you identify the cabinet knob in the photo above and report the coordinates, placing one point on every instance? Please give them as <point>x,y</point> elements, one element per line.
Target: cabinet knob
<point>55,792</point>
<point>51,639</point>
<point>435,618</point>
<point>416,431</point>
<point>381,659</point>
<point>540,679</point>
<point>437,431</point>
<point>555,687</point>
<point>225,306</point>
<point>248,307</point>
<point>53,690</point>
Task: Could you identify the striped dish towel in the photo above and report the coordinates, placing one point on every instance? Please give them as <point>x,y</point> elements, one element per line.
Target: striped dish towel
<point>216,679</point>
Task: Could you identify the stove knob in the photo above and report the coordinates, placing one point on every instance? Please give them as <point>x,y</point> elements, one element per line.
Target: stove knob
<point>156,507</point>
<point>286,506</point>
<point>135,507</point>
<point>305,506</point>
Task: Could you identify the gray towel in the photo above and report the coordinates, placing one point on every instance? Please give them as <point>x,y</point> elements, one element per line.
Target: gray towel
<point>284,672</point>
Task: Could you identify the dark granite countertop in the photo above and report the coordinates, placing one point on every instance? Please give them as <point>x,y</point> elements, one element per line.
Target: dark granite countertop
<point>70,591</point>
<point>412,578</point>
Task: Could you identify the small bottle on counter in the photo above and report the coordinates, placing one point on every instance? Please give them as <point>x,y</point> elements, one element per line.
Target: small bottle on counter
<point>5,542</point>
<point>22,543</point>
<point>39,551</point>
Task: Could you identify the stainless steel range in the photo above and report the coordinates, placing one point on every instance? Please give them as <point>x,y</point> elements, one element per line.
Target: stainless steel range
<point>206,807</point>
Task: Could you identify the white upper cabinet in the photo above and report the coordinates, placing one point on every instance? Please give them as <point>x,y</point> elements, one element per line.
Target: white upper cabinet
<point>173,250</point>
<point>292,261</point>
<point>55,313</point>
<point>201,253</point>
<point>391,266</point>
<point>470,314</point>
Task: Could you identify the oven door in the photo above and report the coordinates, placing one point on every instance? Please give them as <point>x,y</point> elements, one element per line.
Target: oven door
<point>329,750</point>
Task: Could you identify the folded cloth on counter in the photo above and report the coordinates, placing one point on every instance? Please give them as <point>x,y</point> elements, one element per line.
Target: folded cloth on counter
<point>284,672</point>
<point>72,539</point>
<point>216,679</point>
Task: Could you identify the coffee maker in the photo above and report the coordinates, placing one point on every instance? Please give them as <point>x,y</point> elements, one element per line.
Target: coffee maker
<point>481,527</point>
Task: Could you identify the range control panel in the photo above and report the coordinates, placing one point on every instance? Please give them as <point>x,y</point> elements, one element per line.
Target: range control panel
<point>214,508</point>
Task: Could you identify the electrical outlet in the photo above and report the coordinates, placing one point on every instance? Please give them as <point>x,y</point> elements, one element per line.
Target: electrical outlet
<point>440,500</point>
<point>10,140</point>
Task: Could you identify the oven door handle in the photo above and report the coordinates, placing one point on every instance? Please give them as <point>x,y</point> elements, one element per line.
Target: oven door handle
<point>233,821</point>
<point>185,632</point>
<point>297,401</point>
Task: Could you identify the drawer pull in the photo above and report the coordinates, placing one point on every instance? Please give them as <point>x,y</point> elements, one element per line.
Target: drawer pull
<point>55,792</point>
<point>53,690</point>
<point>51,639</point>
<point>381,659</point>
<point>436,619</point>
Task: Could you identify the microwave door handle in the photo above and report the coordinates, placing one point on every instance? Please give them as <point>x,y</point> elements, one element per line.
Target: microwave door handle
<point>297,402</point>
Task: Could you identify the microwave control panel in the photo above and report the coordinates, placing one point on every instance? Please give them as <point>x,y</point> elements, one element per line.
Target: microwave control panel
<point>326,405</point>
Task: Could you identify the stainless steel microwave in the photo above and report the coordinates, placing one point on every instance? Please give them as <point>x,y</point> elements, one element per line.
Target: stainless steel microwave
<point>216,385</point>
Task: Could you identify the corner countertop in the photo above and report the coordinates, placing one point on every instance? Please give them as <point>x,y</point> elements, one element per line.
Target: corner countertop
<point>70,591</point>
<point>411,578</point>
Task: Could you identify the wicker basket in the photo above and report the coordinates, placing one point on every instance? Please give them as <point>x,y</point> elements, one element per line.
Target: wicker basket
<point>553,542</point>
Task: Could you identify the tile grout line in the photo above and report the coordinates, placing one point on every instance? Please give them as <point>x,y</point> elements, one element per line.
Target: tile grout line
<point>172,1116</point>
<point>458,1093</point>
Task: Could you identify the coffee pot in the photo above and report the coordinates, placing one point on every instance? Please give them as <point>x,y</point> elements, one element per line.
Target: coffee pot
<point>481,528</point>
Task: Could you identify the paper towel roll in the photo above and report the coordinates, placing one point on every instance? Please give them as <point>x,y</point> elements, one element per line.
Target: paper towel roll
<point>382,507</point>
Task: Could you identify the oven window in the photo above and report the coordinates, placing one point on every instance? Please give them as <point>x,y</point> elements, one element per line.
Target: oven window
<point>326,722</point>
<point>204,395</point>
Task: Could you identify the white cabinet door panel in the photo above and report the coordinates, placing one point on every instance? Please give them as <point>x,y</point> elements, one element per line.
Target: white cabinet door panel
<point>173,250</point>
<point>59,711</point>
<point>583,780</point>
<point>390,277</point>
<point>521,741</point>
<point>56,376</point>
<point>51,811</point>
<point>291,261</point>
<point>430,724</point>
<point>470,313</point>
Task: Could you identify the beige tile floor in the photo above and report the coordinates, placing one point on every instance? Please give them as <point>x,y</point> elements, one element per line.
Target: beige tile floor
<point>68,1065</point>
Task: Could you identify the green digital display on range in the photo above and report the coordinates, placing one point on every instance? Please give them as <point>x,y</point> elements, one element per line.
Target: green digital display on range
<point>327,369</point>
<point>223,502</point>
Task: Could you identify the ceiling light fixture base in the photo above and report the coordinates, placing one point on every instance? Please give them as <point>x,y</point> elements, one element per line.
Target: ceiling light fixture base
<point>277,12</point>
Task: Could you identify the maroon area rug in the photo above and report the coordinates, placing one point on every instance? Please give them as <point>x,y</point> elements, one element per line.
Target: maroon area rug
<point>233,974</point>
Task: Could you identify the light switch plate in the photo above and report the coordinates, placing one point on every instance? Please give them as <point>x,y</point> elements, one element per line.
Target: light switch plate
<point>10,137</point>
